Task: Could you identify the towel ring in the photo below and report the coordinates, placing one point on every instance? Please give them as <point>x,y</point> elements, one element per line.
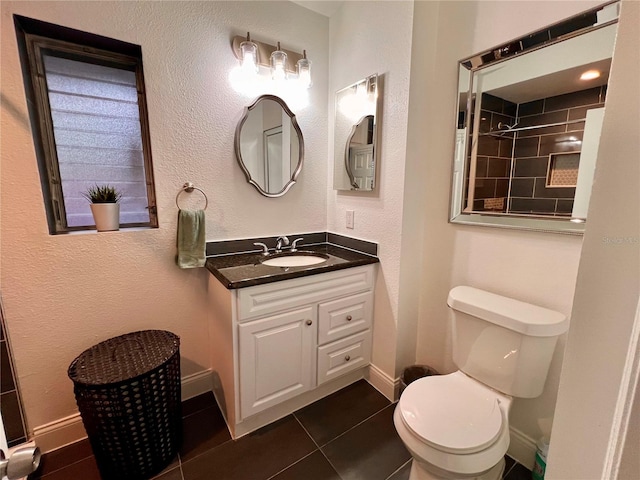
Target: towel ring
<point>189,187</point>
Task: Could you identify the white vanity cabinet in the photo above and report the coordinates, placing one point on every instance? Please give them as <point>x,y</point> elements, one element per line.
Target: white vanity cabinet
<point>279,346</point>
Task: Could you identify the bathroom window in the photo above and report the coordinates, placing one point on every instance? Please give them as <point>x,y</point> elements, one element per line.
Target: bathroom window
<point>89,120</point>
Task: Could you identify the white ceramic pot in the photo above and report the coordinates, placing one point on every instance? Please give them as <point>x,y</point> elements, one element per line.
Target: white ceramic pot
<point>106,216</point>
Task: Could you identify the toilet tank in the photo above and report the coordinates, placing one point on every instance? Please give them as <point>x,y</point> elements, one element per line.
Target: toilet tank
<point>504,343</point>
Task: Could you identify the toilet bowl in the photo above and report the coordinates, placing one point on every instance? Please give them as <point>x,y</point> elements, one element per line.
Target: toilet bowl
<point>456,426</point>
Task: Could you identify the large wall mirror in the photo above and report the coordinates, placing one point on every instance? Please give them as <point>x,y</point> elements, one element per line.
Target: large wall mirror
<point>529,119</point>
<point>354,148</point>
<point>269,146</point>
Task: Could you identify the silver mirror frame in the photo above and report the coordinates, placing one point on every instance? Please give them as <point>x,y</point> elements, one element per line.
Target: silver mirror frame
<point>476,62</point>
<point>298,131</point>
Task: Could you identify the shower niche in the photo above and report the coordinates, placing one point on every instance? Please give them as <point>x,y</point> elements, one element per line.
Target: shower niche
<point>529,119</point>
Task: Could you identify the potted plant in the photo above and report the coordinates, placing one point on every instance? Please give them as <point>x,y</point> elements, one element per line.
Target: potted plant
<point>104,207</point>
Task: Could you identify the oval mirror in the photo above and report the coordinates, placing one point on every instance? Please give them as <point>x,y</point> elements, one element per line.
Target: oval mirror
<point>528,126</point>
<point>269,146</point>
<point>355,136</point>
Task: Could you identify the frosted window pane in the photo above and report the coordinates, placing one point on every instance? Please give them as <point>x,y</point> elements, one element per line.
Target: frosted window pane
<point>96,125</point>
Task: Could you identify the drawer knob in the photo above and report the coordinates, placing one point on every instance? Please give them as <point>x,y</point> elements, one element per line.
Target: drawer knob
<point>347,358</point>
<point>308,322</point>
<point>349,318</point>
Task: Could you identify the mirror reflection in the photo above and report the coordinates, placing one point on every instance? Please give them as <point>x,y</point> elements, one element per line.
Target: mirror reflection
<point>269,146</point>
<point>355,136</point>
<point>529,121</point>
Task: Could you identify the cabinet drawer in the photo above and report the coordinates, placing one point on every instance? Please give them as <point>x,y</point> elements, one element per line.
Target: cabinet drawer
<point>345,316</point>
<point>261,300</point>
<point>343,356</point>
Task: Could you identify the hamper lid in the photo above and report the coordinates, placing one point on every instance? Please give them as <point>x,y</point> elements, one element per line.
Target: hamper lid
<point>124,357</point>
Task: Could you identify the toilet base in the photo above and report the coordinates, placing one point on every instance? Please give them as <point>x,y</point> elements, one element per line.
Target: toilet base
<point>420,472</point>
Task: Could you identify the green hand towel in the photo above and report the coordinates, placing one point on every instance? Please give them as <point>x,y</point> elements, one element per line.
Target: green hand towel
<point>191,243</point>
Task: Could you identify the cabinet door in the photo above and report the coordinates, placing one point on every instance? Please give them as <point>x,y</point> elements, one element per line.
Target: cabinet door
<point>277,359</point>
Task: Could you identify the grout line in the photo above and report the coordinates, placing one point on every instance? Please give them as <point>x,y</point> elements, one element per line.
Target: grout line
<point>358,424</point>
<point>316,443</point>
<point>289,466</point>
<point>399,468</point>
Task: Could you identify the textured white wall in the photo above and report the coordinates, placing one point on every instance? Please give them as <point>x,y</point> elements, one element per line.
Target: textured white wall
<point>64,293</point>
<point>367,38</point>
<point>534,267</point>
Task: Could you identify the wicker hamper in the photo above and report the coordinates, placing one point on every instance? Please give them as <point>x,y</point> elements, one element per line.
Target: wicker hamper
<point>128,393</point>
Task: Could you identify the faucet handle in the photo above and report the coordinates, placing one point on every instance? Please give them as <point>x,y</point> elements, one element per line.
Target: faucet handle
<point>265,249</point>
<point>294,245</point>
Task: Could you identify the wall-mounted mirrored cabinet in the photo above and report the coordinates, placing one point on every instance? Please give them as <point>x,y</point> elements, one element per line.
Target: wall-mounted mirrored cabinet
<point>528,126</point>
<point>269,146</point>
<point>354,136</point>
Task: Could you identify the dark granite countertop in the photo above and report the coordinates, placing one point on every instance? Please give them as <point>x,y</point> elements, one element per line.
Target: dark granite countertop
<point>245,269</point>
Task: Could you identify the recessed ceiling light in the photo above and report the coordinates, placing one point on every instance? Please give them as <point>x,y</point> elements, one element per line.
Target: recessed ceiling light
<point>590,75</point>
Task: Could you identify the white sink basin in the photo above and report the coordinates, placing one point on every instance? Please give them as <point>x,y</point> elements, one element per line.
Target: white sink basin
<point>295,260</point>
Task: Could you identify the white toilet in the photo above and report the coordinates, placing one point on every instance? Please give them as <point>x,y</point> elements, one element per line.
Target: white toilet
<point>457,426</point>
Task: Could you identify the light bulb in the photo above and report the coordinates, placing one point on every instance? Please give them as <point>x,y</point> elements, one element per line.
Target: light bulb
<point>278,64</point>
<point>249,56</point>
<point>304,71</point>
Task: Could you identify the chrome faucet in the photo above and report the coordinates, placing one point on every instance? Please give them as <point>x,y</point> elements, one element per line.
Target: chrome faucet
<point>279,243</point>
<point>294,245</point>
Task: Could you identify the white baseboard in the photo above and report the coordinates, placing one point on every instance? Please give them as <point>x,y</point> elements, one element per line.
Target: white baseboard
<point>382,382</point>
<point>522,448</point>
<point>197,384</point>
<point>67,430</point>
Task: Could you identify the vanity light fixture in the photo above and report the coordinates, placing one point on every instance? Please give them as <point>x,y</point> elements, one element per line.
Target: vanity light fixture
<point>590,75</point>
<point>278,65</point>
<point>283,64</point>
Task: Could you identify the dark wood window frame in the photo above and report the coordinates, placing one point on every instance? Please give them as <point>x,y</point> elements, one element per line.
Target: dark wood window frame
<point>36,38</point>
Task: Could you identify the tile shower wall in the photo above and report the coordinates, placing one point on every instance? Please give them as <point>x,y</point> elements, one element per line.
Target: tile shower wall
<point>493,164</point>
<point>529,193</point>
<point>9,398</point>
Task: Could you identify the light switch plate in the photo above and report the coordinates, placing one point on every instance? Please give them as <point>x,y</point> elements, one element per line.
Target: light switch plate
<point>350,215</point>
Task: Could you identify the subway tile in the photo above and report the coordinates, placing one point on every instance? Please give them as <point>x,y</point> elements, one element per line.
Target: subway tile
<point>498,167</point>
<point>499,121</point>
<point>563,142</point>
<point>372,450</point>
<point>256,456</point>
<point>542,191</point>
<point>526,147</point>
<point>313,467</point>
<point>6,374</point>
<point>478,205</point>
<point>532,205</point>
<point>485,122</point>
<point>510,108</point>
<point>522,187</point>
<point>580,113</point>
<point>574,99</point>
<point>505,147</point>
<point>482,164</point>
<point>531,108</point>
<point>11,415</point>
<point>543,119</point>
<point>575,127</point>
<point>331,416</point>
<point>488,146</point>
<point>531,167</point>
<point>485,188</point>
<point>502,187</point>
<point>564,206</point>
<point>492,103</point>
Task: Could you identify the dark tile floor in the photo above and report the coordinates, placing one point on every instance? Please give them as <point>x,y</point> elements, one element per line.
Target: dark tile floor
<point>346,436</point>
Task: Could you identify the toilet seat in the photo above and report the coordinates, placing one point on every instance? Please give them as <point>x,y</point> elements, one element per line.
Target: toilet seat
<point>453,413</point>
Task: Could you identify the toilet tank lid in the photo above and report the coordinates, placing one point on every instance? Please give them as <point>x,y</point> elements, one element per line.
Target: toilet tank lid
<point>513,314</point>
